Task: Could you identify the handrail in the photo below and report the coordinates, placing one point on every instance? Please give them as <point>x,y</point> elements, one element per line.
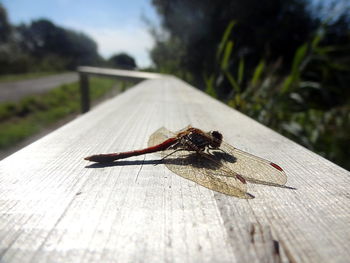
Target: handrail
<point>128,75</point>
<point>56,206</point>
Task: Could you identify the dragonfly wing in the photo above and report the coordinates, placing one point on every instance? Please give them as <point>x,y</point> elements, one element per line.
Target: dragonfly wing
<point>199,169</point>
<point>254,169</point>
<point>195,167</point>
<point>159,136</point>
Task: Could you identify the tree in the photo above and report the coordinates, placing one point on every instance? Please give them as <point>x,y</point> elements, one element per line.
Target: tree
<point>122,60</point>
<point>42,38</point>
<point>277,61</point>
<point>5,27</point>
<point>265,29</point>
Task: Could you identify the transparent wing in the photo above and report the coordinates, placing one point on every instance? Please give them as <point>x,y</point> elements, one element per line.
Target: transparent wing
<point>207,170</point>
<point>160,136</point>
<point>254,169</point>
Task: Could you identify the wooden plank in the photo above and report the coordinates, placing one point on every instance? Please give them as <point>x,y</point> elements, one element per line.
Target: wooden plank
<point>130,75</point>
<point>54,208</point>
<point>126,75</point>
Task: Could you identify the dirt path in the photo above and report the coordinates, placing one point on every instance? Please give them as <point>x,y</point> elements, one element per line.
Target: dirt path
<point>6,152</point>
<point>14,91</point>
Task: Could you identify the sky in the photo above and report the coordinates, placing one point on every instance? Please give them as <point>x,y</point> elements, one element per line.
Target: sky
<point>116,25</point>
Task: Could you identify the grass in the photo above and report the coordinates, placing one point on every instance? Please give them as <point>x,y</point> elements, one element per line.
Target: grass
<point>310,104</point>
<point>19,120</point>
<point>17,77</point>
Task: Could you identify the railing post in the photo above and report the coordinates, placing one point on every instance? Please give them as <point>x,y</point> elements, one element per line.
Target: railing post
<point>84,92</point>
<point>84,73</point>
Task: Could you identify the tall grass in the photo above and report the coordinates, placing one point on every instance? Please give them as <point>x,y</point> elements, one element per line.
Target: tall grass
<point>310,104</point>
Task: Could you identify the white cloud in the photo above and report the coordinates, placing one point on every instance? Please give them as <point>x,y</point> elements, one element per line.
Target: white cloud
<point>132,39</point>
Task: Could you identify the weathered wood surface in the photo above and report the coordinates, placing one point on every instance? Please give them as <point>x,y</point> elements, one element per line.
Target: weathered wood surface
<point>119,73</point>
<point>126,75</point>
<point>56,209</point>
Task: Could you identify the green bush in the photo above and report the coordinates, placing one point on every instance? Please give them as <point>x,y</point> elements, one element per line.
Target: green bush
<point>310,104</point>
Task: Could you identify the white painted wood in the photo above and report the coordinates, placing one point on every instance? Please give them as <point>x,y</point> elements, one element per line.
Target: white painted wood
<point>120,73</point>
<point>54,208</point>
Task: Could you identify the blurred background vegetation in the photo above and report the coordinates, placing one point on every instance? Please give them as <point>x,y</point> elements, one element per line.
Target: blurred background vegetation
<point>285,63</point>
<point>39,49</point>
<point>43,46</point>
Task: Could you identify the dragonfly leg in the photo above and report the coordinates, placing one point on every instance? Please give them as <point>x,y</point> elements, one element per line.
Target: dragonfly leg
<point>166,156</point>
<point>209,149</point>
<point>220,150</point>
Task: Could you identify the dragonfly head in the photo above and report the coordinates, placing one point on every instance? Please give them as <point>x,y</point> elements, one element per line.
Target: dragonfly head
<point>217,139</point>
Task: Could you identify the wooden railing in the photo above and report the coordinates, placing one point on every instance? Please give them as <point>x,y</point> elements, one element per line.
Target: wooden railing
<point>128,75</point>
<point>57,207</point>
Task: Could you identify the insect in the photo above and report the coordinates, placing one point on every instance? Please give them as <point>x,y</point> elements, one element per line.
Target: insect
<point>206,159</point>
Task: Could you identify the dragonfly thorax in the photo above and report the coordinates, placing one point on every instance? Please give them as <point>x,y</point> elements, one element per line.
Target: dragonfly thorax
<point>202,141</point>
<point>216,139</point>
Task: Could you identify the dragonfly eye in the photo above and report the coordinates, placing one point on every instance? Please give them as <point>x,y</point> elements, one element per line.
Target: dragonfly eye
<point>217,139</point>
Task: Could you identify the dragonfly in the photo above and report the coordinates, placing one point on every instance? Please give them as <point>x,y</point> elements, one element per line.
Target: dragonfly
<point>204,157</point>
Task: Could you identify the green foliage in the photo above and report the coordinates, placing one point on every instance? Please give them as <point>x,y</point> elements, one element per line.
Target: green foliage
<point>240,71</point>
<point>294,76</point>
<point>254,56</point>
<point>306,99</point>
<point>43,46</point>
<point>13,132</point>
<point>231,79</point>
<point>208,31</point>
<point>264,58</point>
<point>25,76</point>
<point>44,40</point>
<point>33,113</point>
<point>210,86</point>
<point>167,56</point>
<point>123,61</point>
<point>5,27</point>
<point>225,38</point>
<point>258,73</point>
<point>17,77</point>
<point>299,104</point>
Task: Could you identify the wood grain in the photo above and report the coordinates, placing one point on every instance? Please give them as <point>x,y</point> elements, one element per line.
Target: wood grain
<point>131,75</point>
<point>56,208</point>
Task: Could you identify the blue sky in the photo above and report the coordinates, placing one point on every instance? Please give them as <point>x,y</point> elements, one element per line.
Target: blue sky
<point>115,25</point>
